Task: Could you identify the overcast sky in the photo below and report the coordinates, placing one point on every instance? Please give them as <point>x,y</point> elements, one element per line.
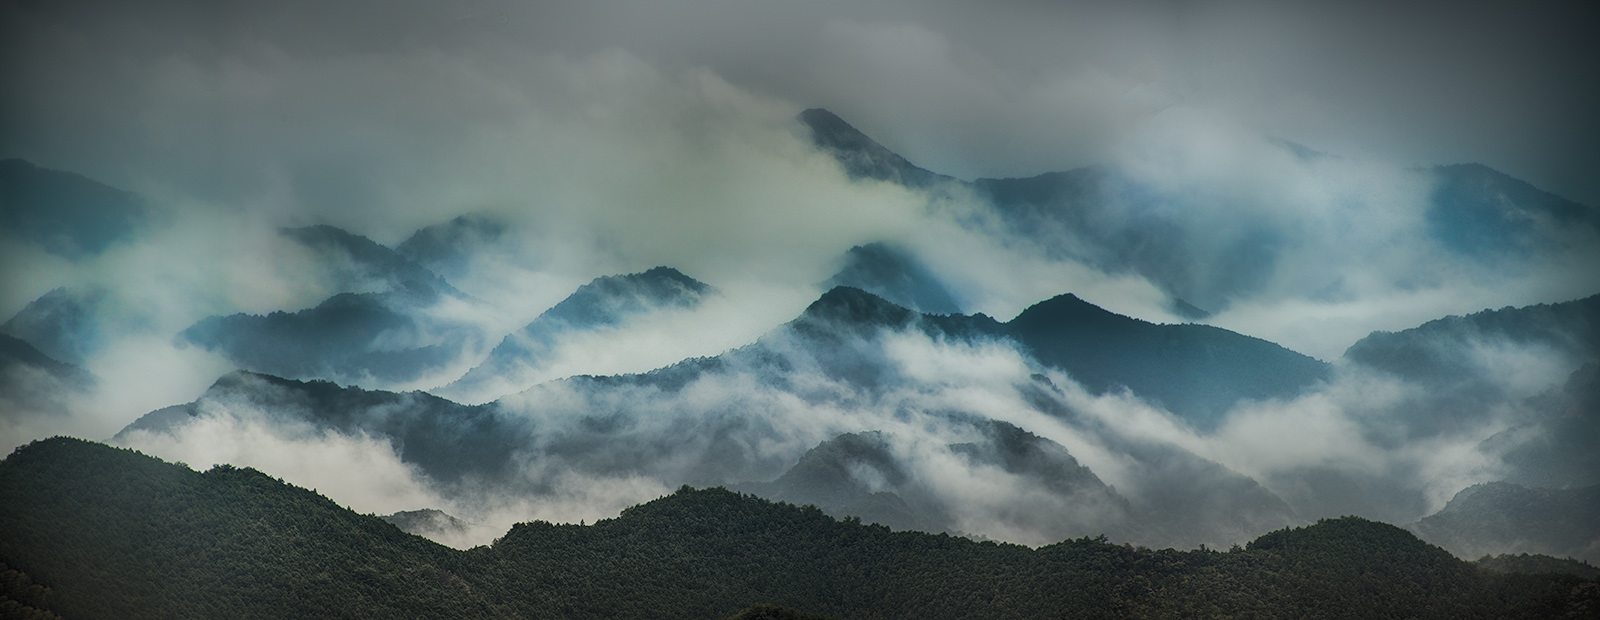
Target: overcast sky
<point>992,89</point>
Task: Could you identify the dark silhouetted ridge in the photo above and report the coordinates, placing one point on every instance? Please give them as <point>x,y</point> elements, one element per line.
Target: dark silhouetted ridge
<point>116,534</point>
<point>1196,371</point>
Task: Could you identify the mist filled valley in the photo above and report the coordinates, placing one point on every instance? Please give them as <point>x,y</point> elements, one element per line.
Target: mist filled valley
<point>537,305</point>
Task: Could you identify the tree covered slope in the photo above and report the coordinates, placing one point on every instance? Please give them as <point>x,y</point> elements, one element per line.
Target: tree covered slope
<point>115,534</point>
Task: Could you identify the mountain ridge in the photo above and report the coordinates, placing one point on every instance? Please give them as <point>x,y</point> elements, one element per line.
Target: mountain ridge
<point>235,542</point>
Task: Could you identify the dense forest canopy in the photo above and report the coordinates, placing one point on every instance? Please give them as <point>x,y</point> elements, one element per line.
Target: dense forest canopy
<point>116,534</point>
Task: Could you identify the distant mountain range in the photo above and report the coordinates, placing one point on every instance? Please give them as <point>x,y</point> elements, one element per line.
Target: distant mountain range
<point>839,339</point>
<point>1108,218</point>
<point>387,335</point>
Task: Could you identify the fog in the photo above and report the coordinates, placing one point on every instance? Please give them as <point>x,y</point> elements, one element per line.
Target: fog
<point>1272,165</point>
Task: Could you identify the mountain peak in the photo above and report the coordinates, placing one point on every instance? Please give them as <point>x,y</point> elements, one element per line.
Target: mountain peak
<point>850,305</point>
<point>861,156</point>
<point>1068,307</point>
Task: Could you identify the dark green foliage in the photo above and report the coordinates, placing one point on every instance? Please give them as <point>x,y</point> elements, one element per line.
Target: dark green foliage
<point>1533,564</point>
<point>773,612</point>
<point>21,598</point>
<point>121,535</point>
<point>116,534</point>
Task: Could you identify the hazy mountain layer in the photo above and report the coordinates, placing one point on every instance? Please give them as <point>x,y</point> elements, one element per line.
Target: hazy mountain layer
<point>447,248</point>
<point>1462,362</point>
<point>62,323</point>
<point>32,384</point>
<point>388,335</point>
<point>64,213</point>
<point>1500,517</point>
<point>897,276</point>
<point>605,302</point>
<point>116,534</point>
<point>1120,219</point>
<point>848,364</point>
<point>446,441</point>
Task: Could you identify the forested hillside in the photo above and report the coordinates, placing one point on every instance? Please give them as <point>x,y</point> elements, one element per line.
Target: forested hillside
<point>115,534</point>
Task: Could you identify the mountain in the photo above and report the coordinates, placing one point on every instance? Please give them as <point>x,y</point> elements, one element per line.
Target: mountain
<point>388,336</point>
<point>895,275</point>
<point>448,442</point>
<point>861,475</point>
<point>1196,371</point>
<point>1437,352</point>
<point>1119,222</point>
<point>751,414</point>
<point>116,534</point>
<point>62,323</point>
<point>17,354</point>
<point>1501,517</point>
<point>447,248</point>
<point>367,261</point>
<point>65,213</point>
<point>34,386</point>
<point>428,522</point>
<point>861,156</point>
<point>1461,362</point>
<point>1487,216</point>
<point>605,302</point>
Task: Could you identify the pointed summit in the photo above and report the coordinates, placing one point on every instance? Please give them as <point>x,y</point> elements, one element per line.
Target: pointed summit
<point>861,156</point>
<point>847,305</point>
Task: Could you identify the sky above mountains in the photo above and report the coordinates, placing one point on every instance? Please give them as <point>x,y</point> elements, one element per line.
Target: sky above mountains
<point>1013,89</point>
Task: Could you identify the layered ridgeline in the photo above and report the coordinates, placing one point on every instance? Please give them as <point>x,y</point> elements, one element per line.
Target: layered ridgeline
<point>1461,361</point>
<point>857,398</point>
<point>1205,248</point>
<point>74,218</point>
<point>1548,498</point>
<point>383,328</point>
<point>115,534</point>
<point>516,364</point>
